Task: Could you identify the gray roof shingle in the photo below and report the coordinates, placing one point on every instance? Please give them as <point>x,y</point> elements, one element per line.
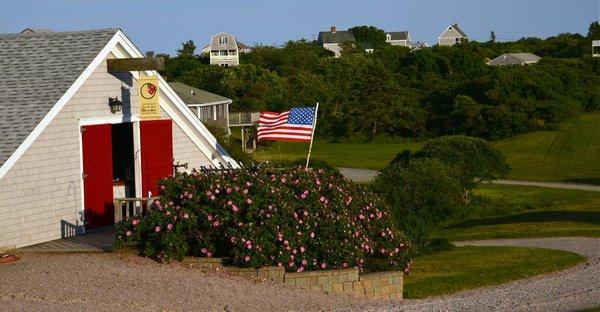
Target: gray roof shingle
<point>398,35</point>
<point>36,69</point>
<point>191,95</point>
<point>335,37</point>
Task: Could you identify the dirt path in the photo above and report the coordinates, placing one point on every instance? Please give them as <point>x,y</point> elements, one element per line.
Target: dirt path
<point>573,289</point>
<point>366,175</point>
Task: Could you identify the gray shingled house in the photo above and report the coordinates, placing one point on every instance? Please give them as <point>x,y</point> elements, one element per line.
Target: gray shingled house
<point>398,38</point>
<point>515,59</point>
<point>72,136</point>
<point>331,39</point>
<point>452,35</point>
<point>210,108</point>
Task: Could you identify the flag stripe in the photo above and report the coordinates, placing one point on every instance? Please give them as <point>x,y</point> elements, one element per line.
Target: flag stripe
<point>293,125</point>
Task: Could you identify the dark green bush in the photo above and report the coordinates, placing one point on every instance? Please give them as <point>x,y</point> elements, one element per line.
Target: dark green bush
<point>296,218</point>
<point>420,194</point>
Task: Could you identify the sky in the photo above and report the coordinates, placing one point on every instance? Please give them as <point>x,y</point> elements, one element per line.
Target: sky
<point>162,26</point>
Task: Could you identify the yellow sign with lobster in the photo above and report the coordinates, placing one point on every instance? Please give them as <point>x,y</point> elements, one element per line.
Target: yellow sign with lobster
<point>148,95</point>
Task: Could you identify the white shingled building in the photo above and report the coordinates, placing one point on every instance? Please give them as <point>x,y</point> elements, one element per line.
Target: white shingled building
<point>73,138</point>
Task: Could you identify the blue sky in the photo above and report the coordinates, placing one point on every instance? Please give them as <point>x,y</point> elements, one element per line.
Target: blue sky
<point>162,25</point>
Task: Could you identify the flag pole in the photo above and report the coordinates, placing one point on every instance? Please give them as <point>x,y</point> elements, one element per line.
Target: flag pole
<point>312,135</point>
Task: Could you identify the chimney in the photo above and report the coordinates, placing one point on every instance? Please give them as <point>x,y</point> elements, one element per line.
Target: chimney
<point>333,29</point>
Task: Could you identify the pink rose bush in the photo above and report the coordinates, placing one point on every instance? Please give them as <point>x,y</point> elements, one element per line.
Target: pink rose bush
<point>300,219</point>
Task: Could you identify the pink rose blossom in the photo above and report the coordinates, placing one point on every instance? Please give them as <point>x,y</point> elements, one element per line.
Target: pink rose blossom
<point>247,258</point>
<point>128,233</point>
<point>157,229</point>
<point>234,208</point>
<point>312,234</point>
<point>323,265</point>
<point>135,221</point>
<point>249,201</point>
<point>170,227</point>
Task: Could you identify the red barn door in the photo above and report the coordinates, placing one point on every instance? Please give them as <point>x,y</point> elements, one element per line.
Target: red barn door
<point>97,176</point>
<point>157,153</point>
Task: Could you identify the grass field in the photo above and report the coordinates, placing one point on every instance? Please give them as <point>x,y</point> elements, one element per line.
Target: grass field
<point>506,211</point>
<point>469,267</point>
<point>353,155</point>
<point>571,154</point>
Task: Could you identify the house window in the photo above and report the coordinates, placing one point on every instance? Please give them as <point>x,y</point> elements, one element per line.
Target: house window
<point>223,40</point>
<point>223,52</point>
<point>456,40</point>
<point>220,110</point>
<point>388,37</point>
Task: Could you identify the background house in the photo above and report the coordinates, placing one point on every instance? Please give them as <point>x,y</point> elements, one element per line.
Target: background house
<point>398,38</point>
<point>224,50</point>
<point>210,108</point>
<point>64,149</point>
<point>515,59</point>
<point>331,39</point>
<point>452,35</point>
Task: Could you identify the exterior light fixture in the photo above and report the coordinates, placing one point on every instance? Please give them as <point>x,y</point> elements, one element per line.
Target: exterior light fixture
<point>115,105</point>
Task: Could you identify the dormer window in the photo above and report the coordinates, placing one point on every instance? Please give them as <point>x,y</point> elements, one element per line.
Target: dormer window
<point>388,37</point>
<point>223,40</point>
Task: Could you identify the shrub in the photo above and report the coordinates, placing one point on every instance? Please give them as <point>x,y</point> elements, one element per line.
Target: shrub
<point>421,194</point>
<point>303,220</point>
<point>472,159</point>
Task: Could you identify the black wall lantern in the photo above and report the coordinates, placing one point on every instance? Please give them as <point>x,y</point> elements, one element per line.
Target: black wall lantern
<point>115,105</point>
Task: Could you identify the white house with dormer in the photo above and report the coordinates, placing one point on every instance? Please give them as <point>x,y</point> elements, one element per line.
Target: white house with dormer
<point>224,50</point>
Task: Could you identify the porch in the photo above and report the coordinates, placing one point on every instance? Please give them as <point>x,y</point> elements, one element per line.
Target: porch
<point>94,241</point>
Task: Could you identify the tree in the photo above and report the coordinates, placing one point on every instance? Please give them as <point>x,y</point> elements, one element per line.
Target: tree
<point>187,49</point>
<point>492,37</point>
<point>370,34</point>
<point>473,159</point>
<point>594,31</point>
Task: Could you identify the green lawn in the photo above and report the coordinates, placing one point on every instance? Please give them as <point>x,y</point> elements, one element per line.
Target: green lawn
<point>506,211</point>
<point>353,155</point>
<point>470,267</point>
<point>571,154</point>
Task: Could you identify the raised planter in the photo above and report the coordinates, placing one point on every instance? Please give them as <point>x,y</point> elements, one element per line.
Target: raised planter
<point>381,285</point>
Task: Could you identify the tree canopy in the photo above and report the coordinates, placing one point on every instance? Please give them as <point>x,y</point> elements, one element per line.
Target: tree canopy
<point>398,92</point>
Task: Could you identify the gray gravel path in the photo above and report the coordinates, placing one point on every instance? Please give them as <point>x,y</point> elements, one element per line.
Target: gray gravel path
<point>122,282</point>
<point>570,290</point>
<point>366,175</point>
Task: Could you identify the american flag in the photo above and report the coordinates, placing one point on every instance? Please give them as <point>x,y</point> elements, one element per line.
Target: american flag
<point>293,125</point>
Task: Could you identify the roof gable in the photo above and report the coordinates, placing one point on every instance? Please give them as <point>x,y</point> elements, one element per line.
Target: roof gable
<point>37,69</point>
<point>453,31</point>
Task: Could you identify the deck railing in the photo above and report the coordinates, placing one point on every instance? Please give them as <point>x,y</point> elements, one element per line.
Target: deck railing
<point>243,119</point>
<point>126,208</point>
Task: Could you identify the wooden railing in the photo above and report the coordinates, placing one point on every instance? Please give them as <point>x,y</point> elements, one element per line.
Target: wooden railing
<point>243,119</point>
<point>126,208</point>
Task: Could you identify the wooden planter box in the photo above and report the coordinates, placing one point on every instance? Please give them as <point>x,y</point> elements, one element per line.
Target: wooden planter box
<point>380,285</point>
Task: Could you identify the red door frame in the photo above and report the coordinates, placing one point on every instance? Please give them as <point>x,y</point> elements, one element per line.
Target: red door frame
<point>96,145</point>
<point>156,145</point>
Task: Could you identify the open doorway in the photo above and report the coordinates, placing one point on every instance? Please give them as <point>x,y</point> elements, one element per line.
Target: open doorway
<point>123,161</point>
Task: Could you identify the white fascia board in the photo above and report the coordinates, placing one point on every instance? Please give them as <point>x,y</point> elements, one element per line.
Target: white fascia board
<point>132,50</point>
<point>210,104</point>
<point>64,99</point>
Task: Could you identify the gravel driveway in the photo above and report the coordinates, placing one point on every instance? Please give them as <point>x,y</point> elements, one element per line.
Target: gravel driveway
<point>122,282</point>
<point>573,289</point>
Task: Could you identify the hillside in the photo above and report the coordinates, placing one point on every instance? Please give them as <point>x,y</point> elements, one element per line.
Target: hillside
<point>571,154</point>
